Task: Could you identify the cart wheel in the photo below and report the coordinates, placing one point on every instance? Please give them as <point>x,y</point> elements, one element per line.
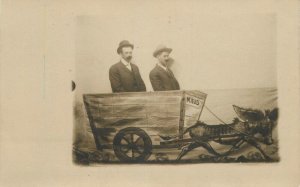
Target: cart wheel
<point>132,144</point>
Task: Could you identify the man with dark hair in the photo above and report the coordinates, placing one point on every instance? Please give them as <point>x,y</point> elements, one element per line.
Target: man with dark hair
<point>161,77</point>
<point>124,76</point>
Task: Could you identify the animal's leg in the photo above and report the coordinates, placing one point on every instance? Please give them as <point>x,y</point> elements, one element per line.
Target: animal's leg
<point>187,149</point>
<point>208,147</point>
<point>235,146</point>
<point>257,146</point>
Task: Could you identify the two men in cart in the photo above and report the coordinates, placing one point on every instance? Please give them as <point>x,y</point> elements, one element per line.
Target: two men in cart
<point>124,76</point>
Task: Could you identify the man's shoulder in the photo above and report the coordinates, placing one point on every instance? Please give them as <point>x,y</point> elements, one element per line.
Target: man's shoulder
<point>115,66</point>
<point>134,65</point>
<point>154,70</point>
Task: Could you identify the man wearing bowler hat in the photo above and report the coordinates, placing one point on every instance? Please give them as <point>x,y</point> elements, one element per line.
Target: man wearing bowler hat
<point>161,77</point>
<point>124,76</point>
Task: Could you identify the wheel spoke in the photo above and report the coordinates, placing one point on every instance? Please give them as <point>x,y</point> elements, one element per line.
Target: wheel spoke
<point>137,140</point>
<point>132,151</point>
<point>131,138</point>
<point>126,152</point>
<point>124,148</point>
<point>126,139</point>
<point>137,150</point>
<point>124,142</point>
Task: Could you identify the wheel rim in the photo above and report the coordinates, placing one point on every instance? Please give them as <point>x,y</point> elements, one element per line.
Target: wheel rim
<point>132,145</point>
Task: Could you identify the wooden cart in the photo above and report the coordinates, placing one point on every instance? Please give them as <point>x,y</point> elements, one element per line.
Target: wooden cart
<point>131,123</point>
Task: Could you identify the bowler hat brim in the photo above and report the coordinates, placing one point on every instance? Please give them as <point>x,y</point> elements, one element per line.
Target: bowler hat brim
<point>157,52</point>
<point>125,45</point>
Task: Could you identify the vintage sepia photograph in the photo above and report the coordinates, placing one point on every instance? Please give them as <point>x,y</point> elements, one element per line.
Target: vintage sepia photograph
<point>175,88</point>
<point>150,93</point>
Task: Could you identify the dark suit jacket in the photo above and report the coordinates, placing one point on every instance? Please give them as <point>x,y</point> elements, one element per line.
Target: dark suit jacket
<point>162,80</point>
<point>124,80</point>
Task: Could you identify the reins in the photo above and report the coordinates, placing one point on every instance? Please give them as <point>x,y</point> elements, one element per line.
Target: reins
<point>224,122</point>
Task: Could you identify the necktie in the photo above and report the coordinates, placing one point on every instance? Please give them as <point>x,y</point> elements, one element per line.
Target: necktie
<point>128,66</point>
<point>169,72</point>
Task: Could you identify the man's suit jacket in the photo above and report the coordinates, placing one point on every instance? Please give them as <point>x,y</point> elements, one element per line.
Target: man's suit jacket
<point>162,80</point>
<point>124,80</point>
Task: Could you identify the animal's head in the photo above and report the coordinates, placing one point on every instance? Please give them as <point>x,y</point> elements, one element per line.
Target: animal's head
<point>267,125</point>
<point>259,121</point>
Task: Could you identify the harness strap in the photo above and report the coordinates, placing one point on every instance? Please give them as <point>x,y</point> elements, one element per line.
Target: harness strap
<point>224,122</point>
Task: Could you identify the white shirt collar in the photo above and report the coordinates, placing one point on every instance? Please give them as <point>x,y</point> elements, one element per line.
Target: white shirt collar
<point>125,62</point>
<point>163,67</point>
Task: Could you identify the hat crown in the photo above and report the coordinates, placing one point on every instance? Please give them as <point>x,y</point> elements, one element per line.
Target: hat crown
<point>124,42</point>
<point>160,48</point>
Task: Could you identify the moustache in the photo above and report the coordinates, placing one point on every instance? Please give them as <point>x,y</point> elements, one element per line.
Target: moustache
<point>129,58</point>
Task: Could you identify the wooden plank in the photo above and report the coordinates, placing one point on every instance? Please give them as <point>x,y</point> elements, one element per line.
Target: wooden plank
<point>128,110</point>
<point>144,100</point>
<point>182,116</point>
<point>153,121</point>
<point>135,111</point>
<point>135,94</point>
<point>163,110</point>
<point>119,121</point>
<point>134,100</point>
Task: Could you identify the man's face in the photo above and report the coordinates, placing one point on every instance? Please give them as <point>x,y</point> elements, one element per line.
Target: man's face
<point>163,58</point>
<point>126,53</point>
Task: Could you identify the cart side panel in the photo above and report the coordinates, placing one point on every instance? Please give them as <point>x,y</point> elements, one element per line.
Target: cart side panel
<point>155,113</point>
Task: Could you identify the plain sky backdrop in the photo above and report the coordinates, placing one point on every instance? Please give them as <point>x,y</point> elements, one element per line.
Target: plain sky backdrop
<point>211,51</point>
